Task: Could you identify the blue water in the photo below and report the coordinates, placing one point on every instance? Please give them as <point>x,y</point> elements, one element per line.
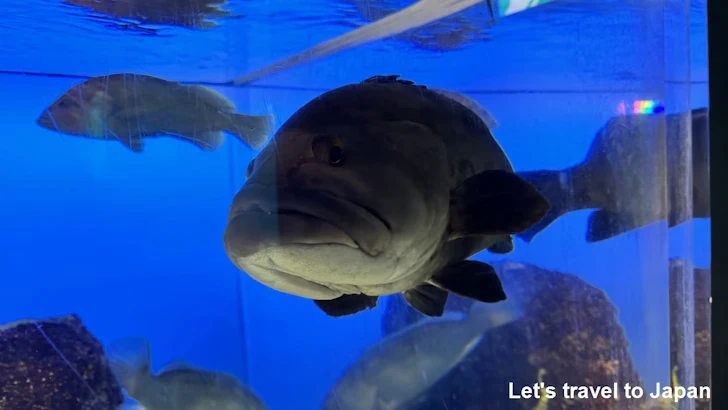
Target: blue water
<point>133,243</point>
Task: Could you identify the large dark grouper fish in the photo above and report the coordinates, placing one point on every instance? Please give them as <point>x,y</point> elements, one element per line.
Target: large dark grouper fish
<point>128,107</point>
<point>178,386</point>
<point>378,188</point>
<point>632,175</point>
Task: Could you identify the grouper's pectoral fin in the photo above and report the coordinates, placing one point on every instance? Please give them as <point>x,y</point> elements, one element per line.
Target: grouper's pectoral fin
<point>471,279</point>
<point>132,141</point>
<point>122,131</point>
<point>347,304</point>
<point>495,202</point>
<point>427,299</point>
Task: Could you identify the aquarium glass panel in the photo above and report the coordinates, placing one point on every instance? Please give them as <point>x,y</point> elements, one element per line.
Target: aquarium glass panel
<point>355,205</point>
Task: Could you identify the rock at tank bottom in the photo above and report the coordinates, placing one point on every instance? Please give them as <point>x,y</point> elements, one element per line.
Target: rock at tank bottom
<point>54,364</point>
<point>567,328</point>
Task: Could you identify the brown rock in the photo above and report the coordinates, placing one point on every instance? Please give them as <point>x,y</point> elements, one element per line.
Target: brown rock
<point>702,334</point>
<point>54,364</point>
<point>568,328</point>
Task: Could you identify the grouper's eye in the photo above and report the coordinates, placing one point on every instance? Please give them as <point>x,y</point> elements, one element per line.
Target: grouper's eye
<point>251,167</point>
<point>329,149</point>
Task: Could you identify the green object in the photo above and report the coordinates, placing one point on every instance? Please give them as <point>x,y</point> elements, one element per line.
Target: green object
<point>508,7</point>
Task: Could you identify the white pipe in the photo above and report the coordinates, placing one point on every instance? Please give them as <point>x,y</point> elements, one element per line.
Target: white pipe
<point>416,15</point>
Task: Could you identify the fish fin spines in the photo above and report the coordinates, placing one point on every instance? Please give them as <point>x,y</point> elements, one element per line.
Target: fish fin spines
<point>471,279</point>
<point>347,304</point>
<point>391,79</point>
<point>427,299</point>
<point>494,202</point>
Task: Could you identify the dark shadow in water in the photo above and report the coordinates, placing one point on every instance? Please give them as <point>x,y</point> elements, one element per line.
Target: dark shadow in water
<point>131,15</point>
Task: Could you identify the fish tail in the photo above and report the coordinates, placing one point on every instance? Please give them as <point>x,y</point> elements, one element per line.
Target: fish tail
<point>130,361</point>
<point>253,130</point>
<point>556,187</point>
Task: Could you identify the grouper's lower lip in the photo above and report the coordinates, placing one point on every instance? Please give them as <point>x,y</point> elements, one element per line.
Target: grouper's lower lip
<point>261,217</point>
<point>291,284</point>
<point>249,231</point>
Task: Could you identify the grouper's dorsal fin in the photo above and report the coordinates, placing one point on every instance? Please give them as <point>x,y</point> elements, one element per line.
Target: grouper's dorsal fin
<point>214,98</point>
<point>391,79</point>
<point>134,80</point>
<point>464,100</point>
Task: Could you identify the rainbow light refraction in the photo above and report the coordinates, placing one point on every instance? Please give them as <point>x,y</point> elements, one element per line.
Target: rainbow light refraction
<point>641,107</point>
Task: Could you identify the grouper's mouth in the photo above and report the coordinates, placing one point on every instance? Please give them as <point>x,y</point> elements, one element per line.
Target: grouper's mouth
<point>262,217</point>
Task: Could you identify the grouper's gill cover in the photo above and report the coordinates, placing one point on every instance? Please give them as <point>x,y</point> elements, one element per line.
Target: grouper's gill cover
<point>356,194</point>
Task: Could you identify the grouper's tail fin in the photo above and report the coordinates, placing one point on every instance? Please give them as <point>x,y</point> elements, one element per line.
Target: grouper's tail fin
<point>253,130</point>
<point>130,361</point>
<point>556,187</point>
